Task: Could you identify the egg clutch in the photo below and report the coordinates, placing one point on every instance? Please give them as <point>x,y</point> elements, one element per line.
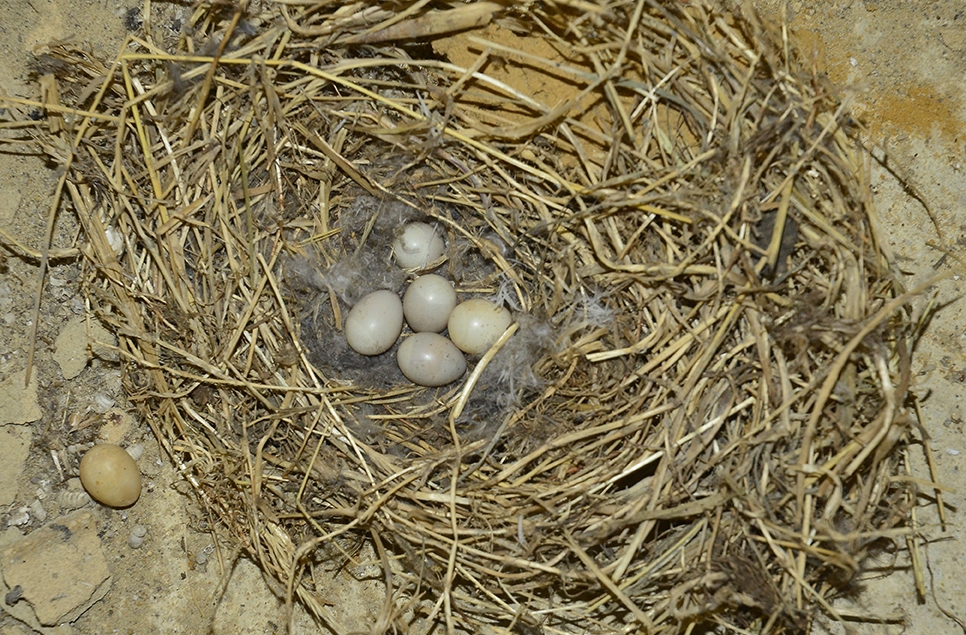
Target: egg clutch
<point>393,296</point>
<point>429,307</point>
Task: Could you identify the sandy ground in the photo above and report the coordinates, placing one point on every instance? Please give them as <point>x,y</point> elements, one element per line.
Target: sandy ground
<point>900,63</point>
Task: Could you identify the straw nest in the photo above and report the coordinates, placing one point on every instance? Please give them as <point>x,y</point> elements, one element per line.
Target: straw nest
<point>694,419</point>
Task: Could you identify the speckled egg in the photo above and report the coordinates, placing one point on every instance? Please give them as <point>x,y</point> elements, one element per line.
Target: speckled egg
<point>429,359</point>
<point>476,324</point>
<point>374,323</point>
<point>110,476</point>
<point>428,302</point>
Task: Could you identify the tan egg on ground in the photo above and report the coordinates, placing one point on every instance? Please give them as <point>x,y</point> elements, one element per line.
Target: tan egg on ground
<point>110,475</point>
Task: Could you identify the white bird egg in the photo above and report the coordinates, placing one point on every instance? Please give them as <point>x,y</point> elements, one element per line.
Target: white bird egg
<point>428,302</point>
<point>429,359</point>
<point>418,245</point>
<point>476,324</point>
<point>374,323</point>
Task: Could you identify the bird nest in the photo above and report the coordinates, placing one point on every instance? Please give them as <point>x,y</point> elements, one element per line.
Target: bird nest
<point>695,415</point>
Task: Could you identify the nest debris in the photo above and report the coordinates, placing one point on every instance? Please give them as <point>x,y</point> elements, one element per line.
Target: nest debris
<point>699,416</point>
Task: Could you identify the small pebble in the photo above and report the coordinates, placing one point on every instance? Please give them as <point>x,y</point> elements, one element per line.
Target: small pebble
<point>13,595</point>
<point>73,500</point>
<point>137,537</point>
<point>19,518</point>
<point>136,451</point>
<point>102,403</point>
<point>956,413</point>
<point>38,510</point>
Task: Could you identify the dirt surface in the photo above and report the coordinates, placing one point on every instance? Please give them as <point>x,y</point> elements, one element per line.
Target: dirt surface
<point>899,63</point>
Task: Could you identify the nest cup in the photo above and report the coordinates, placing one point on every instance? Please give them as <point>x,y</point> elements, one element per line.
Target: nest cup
<point>695,415</point>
